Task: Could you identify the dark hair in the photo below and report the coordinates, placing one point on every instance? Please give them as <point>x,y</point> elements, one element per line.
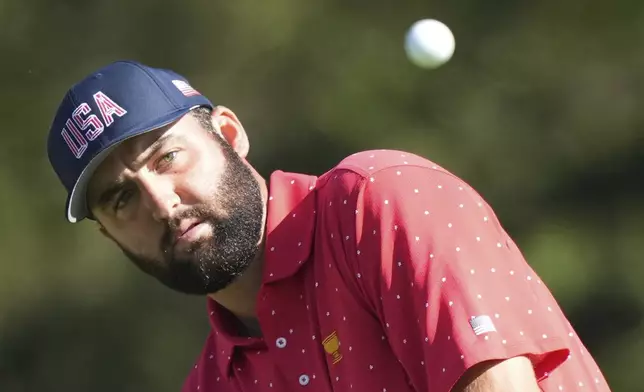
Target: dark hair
<point>203,114</point>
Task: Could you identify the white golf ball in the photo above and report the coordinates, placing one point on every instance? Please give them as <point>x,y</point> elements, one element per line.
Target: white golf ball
<point>429,43</point>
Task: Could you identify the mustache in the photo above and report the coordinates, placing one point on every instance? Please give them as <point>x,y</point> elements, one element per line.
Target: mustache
<point>172,225</point>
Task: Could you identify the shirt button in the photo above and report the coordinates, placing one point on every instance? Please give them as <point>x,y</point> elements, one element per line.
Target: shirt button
<point>304,380</point>
<point>280,342</point>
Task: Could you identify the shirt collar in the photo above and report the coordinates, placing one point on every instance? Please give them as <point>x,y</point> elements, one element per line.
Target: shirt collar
<point>290,218</point>
<point>224,341</point>
<point>290,223</point>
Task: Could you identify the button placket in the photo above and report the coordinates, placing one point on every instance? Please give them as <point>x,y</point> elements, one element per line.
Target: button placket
<point>304,380</point>
<point>280,342</point>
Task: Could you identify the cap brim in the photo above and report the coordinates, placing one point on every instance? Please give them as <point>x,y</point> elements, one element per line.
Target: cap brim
<point>76,207</point>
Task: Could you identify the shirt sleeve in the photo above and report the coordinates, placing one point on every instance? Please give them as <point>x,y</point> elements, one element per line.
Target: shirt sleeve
<point>190,383</point>
<point>449,286</point>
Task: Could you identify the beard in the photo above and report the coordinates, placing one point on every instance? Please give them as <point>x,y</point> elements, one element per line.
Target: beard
<point>210,265</point>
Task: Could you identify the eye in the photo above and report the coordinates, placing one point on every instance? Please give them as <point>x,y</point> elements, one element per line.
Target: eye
<point>167,159</point>
<point>122,199</point>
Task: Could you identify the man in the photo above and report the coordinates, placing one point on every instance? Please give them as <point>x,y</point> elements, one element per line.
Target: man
<point>387,273</point>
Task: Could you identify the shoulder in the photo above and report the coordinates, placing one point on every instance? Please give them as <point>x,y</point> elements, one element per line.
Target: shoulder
<point>381,170</point>
<point>369,162</point>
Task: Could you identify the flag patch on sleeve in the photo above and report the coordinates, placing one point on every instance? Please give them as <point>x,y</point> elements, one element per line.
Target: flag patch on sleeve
<point>482,324</point>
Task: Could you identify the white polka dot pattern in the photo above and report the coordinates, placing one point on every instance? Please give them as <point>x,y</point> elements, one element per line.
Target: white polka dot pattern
<point>389,274</point>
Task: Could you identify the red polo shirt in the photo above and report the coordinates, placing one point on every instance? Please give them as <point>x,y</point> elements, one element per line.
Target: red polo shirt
<point>388,273</point>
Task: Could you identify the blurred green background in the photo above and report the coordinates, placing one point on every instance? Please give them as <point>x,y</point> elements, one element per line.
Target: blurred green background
<point>538,110</point>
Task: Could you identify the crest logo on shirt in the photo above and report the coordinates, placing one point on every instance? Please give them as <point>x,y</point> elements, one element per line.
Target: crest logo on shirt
<point>332,347</point>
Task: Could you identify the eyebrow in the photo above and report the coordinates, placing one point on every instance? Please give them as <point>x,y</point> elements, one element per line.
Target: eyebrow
<point>108,194</point>
<point>153,149</point>
<point>117,185</point>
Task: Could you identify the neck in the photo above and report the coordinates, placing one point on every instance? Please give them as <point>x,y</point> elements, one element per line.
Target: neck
<point>240,297</point>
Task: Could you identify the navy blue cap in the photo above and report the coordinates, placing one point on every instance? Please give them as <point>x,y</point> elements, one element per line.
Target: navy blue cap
<point>119,101</point>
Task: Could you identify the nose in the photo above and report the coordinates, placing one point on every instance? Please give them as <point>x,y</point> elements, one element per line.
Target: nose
<point>160,197</point>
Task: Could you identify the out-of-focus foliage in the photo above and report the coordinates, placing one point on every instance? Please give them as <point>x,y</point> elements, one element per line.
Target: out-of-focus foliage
<point>539,110</point>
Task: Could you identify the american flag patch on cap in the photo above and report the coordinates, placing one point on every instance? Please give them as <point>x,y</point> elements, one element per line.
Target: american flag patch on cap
<point>185,88</point>
<point>482,324</point>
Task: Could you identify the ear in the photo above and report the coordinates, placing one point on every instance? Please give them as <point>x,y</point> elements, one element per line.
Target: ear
<point>231,129</point>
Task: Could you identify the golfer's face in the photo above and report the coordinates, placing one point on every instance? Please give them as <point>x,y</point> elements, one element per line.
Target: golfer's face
<point>154,192</point>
